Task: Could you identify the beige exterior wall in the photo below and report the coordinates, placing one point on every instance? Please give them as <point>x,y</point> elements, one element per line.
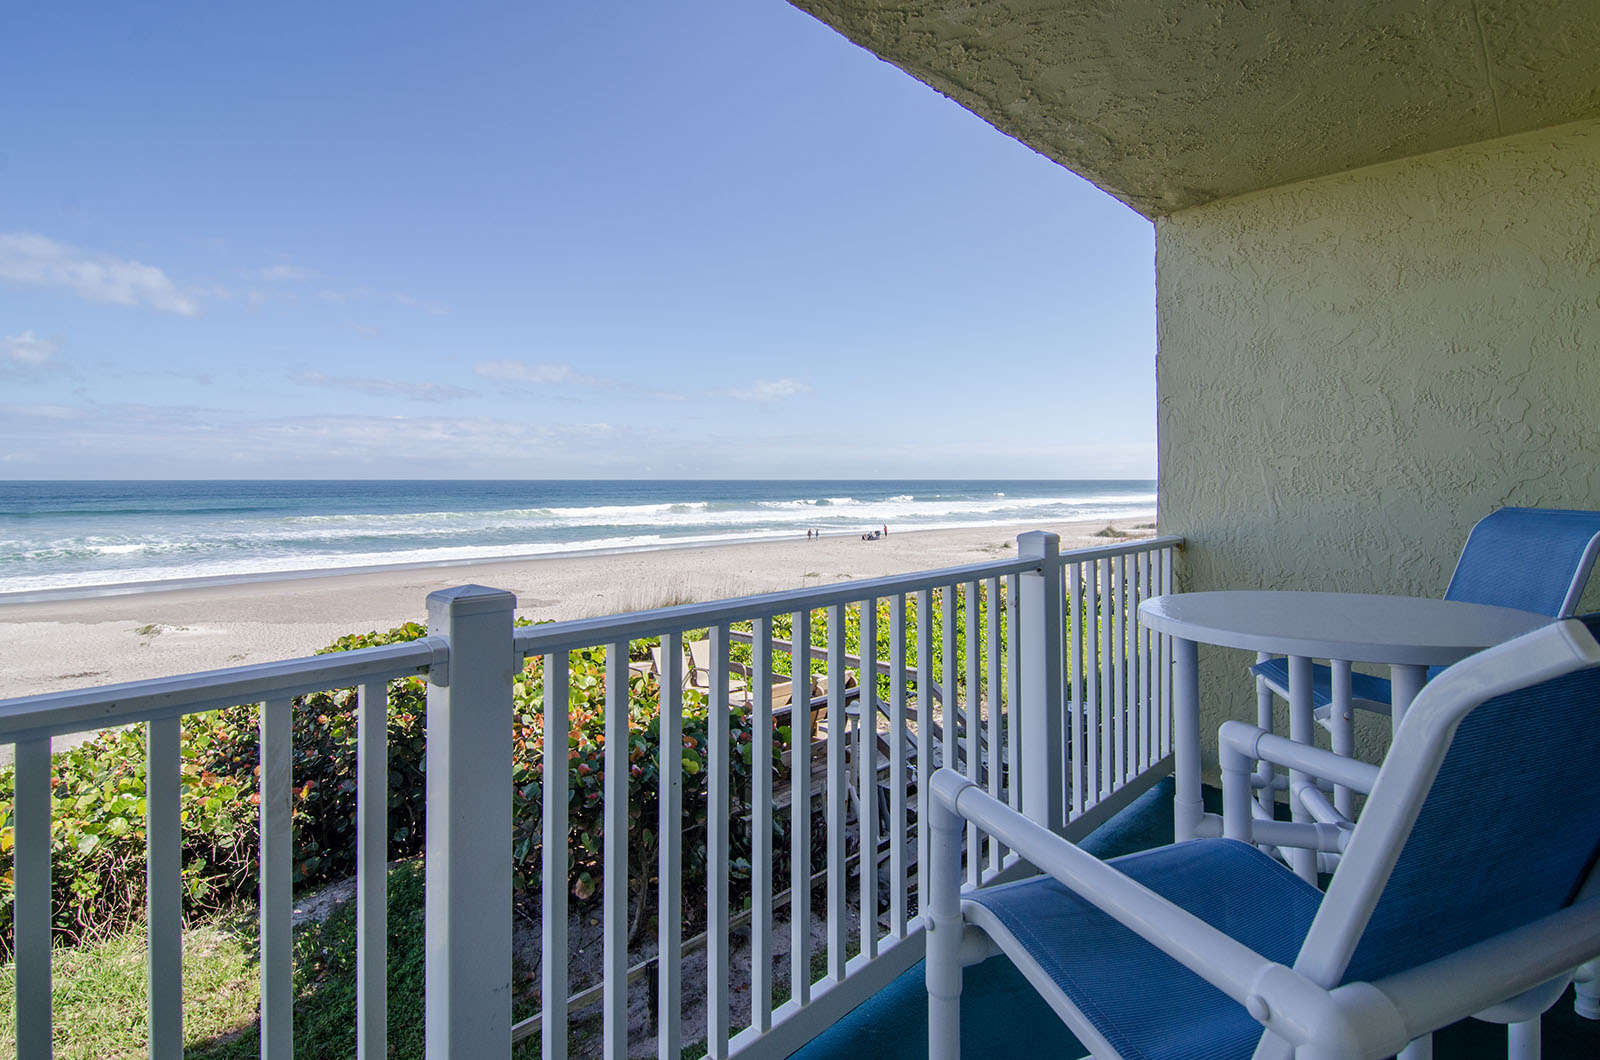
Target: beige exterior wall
<point>1353,369</point>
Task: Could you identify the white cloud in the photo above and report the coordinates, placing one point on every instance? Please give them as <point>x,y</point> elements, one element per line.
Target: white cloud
<point>368,294</point>
<point>386,387</point>
<point>42,262</point>
<point>765,391</point>
<point>43,412</point>
<point>760,391</point>
<point>181,441</point>
<point>26,349</point>
<point>538,374</point>
<point>285,274</point>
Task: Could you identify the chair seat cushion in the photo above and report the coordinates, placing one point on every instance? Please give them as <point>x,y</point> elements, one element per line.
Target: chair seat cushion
<point>1362,686</point>
<point>1112,975</point>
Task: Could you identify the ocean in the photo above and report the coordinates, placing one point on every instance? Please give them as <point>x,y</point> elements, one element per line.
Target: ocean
<point>89,536</point>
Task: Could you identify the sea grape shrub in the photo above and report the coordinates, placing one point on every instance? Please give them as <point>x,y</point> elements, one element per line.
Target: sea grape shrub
<point>323,760</point>
<point>324,764</point>
<point>97,835</point>
<point>585,753</point>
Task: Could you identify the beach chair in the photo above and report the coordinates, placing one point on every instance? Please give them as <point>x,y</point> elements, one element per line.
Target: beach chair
<point>1531,559</point>
<point>1467,888</point>
<point>697,675</point>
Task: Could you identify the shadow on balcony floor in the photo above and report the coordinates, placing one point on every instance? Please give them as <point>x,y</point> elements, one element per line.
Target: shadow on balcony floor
<point>1000,1011</point>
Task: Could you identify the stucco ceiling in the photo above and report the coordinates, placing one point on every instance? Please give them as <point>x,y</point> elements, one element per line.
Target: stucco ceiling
<point>1168,104</point>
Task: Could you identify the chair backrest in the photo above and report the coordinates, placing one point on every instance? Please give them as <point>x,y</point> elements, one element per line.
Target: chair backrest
<point>1533,559</point>
<point>1482,817</point>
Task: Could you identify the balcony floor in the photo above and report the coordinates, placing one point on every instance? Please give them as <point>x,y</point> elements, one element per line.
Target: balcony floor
<point>999,1009</point>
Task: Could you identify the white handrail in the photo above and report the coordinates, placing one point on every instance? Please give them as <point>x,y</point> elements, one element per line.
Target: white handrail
<point>637,625</point>
<point>107,706</point>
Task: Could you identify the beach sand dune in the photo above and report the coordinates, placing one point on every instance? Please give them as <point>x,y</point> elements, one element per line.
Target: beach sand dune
<point>54,645</point>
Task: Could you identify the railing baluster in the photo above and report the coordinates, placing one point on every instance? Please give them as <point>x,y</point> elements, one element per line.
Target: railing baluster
<point>1109,771</point>
<point>761,828</point>
<point>897,765</point>
<point>719,761</point>
<point>1076,709</point>
<point>669,881</point>
<point>1146,649</point>
<point>838,927</point>
<point>951,712</point>
<point>30,910</point>
<point>1119,664</point>
<point>164,887</point>
<point>992,708</point>
<point>277,853</point>
<point>1135,687</point>
<point>1093,750</point>
<point>800,808</point>
<point>973,715</point>
<point>1013,693</point>
<point>372,868</point>
<point>867,785</point>
<point>924,737</point>
<point>553,976</point>
<point>1166,661</point>
<point>614,916</point>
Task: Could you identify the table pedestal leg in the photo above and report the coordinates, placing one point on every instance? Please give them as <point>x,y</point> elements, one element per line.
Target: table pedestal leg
<point>1342,727</point>
<point>1302,728</point>
<point>1421,1049</point>
<point>1187,807</point>
<point>1264,770</point>
<point>1404,684</point>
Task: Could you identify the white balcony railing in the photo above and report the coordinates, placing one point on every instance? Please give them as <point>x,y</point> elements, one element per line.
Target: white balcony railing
<point>1031,674</point>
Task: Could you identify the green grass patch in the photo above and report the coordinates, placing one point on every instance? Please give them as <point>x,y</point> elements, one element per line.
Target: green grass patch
<point>101,995</point>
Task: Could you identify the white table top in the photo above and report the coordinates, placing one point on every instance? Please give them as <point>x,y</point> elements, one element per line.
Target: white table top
<point>1358,627</point>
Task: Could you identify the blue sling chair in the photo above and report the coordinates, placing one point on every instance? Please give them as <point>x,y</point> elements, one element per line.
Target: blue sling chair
<point>1468,887</point>
<point>1531,559</point>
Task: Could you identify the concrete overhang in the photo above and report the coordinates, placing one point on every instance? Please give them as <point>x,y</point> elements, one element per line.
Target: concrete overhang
<point>1168,104</point>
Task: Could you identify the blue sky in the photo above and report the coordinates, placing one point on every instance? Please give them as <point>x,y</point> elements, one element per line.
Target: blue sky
<point>707,238</point>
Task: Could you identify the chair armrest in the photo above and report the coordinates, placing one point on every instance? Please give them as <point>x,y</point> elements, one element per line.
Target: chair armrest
<point>1468,981</point>
<point>1227,964</point>
<point>1359,1022</point>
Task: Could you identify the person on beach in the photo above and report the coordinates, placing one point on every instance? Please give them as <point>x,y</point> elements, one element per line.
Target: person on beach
<point>885,529</point>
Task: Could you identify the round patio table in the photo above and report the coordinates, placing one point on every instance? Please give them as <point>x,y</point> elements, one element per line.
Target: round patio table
<point>1408,633</point>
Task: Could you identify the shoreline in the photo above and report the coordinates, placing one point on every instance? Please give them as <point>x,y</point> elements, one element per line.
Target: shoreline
<point>125,634</point>
<point>101,590</point>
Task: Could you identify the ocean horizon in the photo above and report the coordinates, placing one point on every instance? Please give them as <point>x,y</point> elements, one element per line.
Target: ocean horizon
<point>84,535</point>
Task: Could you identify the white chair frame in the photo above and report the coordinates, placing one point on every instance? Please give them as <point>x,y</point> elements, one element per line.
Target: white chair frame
<point>1304,1011</point>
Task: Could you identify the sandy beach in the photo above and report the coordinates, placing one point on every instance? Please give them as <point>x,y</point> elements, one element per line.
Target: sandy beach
<point>54,645</point>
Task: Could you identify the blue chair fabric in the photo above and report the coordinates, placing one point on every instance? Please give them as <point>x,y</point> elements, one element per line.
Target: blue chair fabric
<point>1506,835</point>
<point>1111,974</point>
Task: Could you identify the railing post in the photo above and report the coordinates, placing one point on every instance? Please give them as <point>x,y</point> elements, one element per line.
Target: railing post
<point>467,850</point>
<point>1042,709</point>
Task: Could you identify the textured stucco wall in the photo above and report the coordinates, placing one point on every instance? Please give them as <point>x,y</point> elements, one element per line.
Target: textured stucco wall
<point>1354,369</point>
